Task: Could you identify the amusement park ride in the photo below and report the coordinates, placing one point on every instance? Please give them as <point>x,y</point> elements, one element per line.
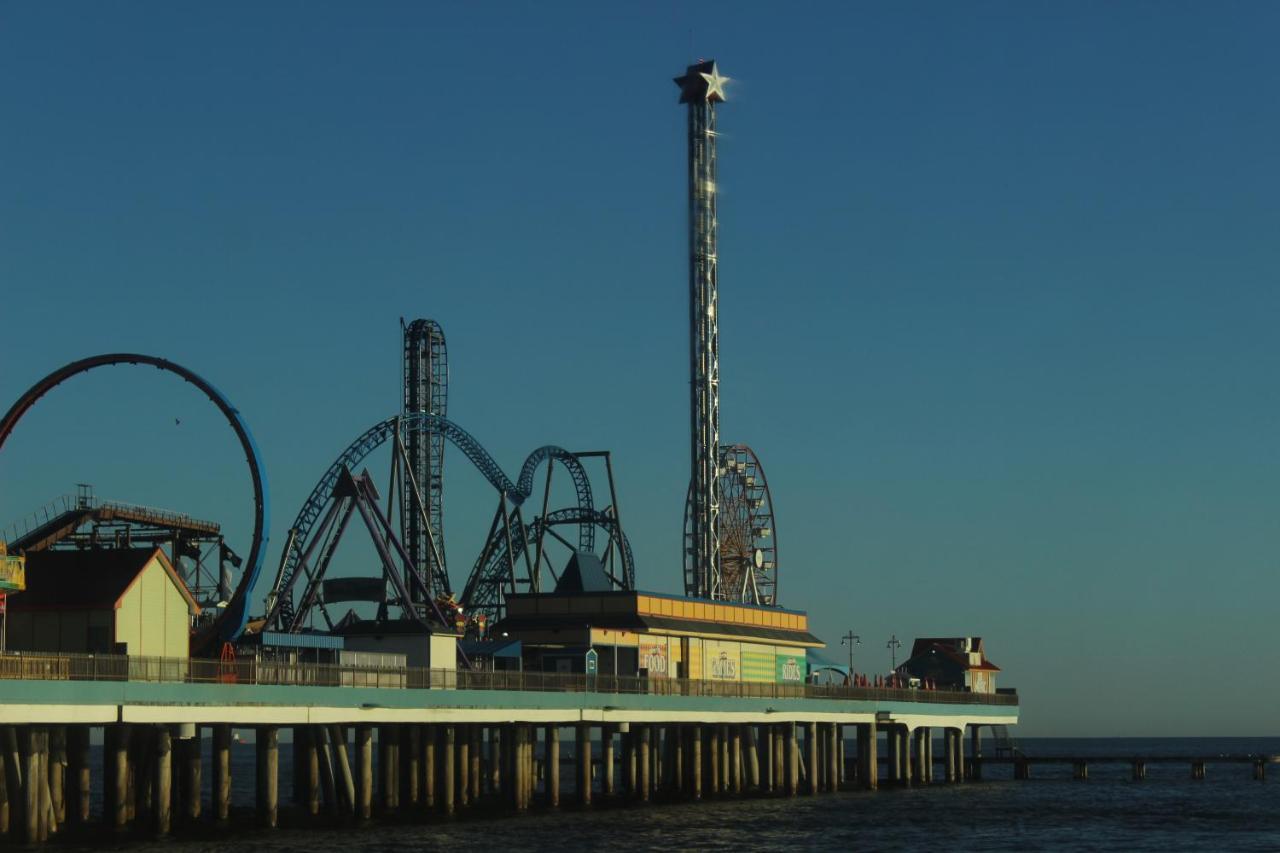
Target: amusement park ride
<point>730,550</point>
<point>730,538</point>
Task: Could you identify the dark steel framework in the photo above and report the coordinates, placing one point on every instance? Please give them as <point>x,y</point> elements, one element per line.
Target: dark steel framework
<point>426,391</point>
<point>700,89</point>
<point>230,623</point>
<point>514,553</point>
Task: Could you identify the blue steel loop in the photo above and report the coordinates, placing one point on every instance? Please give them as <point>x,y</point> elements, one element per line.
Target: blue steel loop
<point>581,484</point>
<point>230,624</point>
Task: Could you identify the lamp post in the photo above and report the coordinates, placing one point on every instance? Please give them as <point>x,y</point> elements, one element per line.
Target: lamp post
<point>893,645</point>
<point>850,639</point>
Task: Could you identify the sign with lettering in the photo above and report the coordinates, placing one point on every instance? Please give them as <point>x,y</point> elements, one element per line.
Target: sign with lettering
<point>722,664</point>
<point>653,658</point>
<point>791,668</point>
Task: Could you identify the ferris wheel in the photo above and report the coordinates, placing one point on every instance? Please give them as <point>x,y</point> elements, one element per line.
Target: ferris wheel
<point>748,570</point>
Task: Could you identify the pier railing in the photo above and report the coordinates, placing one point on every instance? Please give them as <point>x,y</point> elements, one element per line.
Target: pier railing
<point>76,667</point>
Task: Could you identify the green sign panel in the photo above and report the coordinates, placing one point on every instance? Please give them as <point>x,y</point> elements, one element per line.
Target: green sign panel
<point>791,668</point>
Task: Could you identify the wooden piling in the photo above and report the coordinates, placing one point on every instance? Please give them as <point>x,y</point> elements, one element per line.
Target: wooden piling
<point>714,786</point>
<point>429,769</point>
<point>646,782</point>
<point>343,776</point>
<point>193,778</point>
<point>606,760</point>
<point>695,762</point>
<point>833,758</point>
<point>630,767</point>
<point>975,752</point>
<point>448,766</point>
<point>869,760</point>
<point>462,746</point>
<point>269,778</point>
<point>475,774</point>
<point>221,771</point>
<point>496,759</point>
<point>310,765</point>
<point>583,750</point>
<point>80,775</point>
<point>410,765</point>
<point>162,782</point>
<point>553,764</point>
<point>1260,770</point>
<point>328,769</point>
<point>46,824</point>
<point>364,771</point>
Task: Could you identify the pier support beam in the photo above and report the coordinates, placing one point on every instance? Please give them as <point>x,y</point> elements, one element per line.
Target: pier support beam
<point>834,754</point>
<point>162,782</point>
<point>812,759</point>
<point>80,774</point>
<point>949,754</point>
<point>448,768</point>
<point>646,765</point>
<point>1197,770</point>
<point>868,761</point>
<point>475,775</point>
<point>695,762</point>
<point>793,759</point>
<point>553,764</point>
<point>713,754</point>
<point>193,776</point>
<point>430,769</point>
<point>1139,770</point>
<point>975,752</point>
<point>606,760</point>
<point>364,771</point>
<point>221,771</point>
<point>583,755</point>
<point>904,744</point>
<point>268,775</point>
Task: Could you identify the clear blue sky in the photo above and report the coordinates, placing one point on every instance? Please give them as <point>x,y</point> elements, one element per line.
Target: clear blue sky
<point>998,293</point>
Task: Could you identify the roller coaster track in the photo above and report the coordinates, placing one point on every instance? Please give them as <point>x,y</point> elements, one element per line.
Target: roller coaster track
<point>484,587</point>
<point>372,438</point>
<point>230,624</point>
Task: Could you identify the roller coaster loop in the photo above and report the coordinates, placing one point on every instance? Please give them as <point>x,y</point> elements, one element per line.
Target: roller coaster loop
<point>229,625</point>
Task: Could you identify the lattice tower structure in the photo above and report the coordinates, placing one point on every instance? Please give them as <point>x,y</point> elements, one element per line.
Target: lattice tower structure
<point>701,88</point>
<point>426,391</point>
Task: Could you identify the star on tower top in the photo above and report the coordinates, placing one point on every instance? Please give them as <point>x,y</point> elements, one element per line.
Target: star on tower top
<point>702,82</point>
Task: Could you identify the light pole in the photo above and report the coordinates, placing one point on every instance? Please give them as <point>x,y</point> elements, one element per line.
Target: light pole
<point>850,639</point>
<point>893,645</point>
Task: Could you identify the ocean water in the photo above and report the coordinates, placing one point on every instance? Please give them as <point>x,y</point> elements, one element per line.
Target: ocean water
<point>1169,811</point>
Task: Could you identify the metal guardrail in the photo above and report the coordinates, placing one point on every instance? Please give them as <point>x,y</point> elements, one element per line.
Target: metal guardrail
<point>30,666</point>
<point>43,515</point>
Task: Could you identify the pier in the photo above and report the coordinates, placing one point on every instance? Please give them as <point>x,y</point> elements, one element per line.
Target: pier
<point>435,743</point>
<point>1022,764</point>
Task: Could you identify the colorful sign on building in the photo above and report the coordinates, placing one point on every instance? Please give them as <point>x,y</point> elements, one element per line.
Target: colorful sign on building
<point>723,661</point>
<point>655,657</point>
<point>791,668</point>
